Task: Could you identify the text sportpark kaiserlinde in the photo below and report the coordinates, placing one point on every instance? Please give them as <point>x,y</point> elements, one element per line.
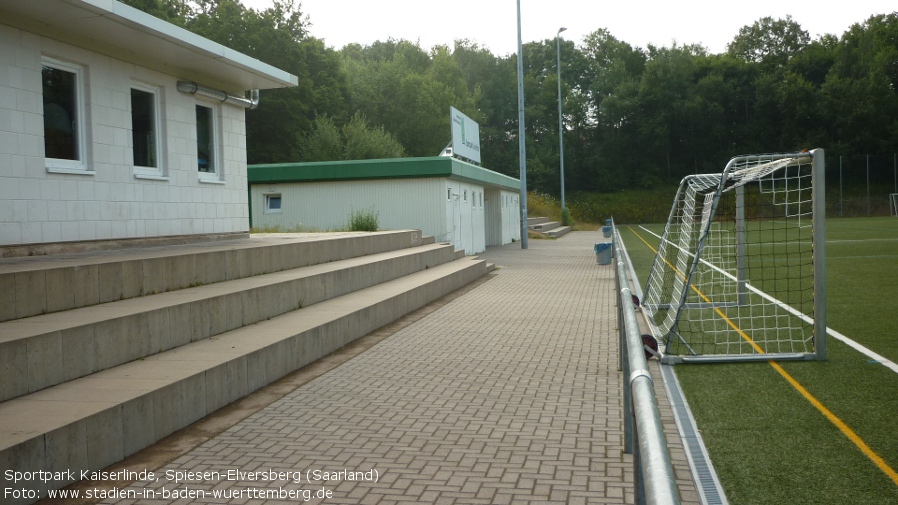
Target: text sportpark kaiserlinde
<point>23,480</point>
<point>180,476</point>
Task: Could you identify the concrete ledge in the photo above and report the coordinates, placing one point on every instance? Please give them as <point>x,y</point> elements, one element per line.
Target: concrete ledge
<point>49,349</point>
<point>30,286</point>
<point>14,251</point>
<point>558,232</point>
<point>543,226</point>
<point>91,422</point>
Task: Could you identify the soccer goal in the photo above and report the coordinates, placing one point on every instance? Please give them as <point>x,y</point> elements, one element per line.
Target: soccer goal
<point>893,203</point>
<point>740,271</point>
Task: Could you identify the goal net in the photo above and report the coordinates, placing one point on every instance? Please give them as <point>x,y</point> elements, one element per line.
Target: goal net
<point>739,272</point>
<point>893,203</point>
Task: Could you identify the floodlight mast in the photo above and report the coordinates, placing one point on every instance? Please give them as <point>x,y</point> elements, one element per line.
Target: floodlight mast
<point>560,117</point>
<point>522,149</point>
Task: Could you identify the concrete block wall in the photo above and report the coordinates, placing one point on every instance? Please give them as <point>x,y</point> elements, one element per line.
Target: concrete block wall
<point>111,199</point>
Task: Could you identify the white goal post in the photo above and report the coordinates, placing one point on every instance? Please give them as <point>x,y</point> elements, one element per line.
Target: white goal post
<point>740,271</point>
<point>893,203</point>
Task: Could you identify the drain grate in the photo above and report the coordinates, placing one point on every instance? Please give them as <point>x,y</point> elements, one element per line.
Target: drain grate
<point>709,489</point>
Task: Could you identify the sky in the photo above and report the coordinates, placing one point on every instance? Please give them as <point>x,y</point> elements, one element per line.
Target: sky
<point>493,23</point>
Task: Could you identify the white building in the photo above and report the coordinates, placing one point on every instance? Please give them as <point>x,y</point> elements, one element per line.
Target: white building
<point>466,205</point>
<point>117,125</point>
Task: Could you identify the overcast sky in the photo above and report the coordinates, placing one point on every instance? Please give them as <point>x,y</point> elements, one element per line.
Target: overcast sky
<point>493,23</point>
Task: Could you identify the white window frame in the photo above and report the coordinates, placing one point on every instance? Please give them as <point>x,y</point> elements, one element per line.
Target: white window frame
<point>79,166</point>
<point>266,209</point>
<point>217,175</point>
<point>157,172</point>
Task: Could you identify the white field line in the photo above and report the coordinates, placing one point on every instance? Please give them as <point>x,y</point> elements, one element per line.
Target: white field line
<point>851,343</point>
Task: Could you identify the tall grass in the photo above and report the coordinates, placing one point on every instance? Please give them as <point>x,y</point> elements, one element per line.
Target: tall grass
<point>589,210</point>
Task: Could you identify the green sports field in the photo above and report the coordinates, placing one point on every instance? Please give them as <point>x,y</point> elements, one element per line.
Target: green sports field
<point>809,432</point>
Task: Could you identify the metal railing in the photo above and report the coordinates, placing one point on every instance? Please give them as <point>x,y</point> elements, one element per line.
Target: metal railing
<point>654,479</point>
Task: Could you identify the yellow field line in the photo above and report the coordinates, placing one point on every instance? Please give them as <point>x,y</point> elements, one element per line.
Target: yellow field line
<point>844,428</point>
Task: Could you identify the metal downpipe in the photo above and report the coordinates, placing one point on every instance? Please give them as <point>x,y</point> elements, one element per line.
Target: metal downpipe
<point>193,88</point>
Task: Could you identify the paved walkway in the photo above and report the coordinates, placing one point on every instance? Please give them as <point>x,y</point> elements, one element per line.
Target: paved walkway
<point>509,393</point>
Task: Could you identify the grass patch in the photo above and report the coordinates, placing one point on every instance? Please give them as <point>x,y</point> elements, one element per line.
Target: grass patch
<point>768,443</point>
<point>538,236</point>
<point>543,205</point>
<point>363,220</point>
<point>588,211</point>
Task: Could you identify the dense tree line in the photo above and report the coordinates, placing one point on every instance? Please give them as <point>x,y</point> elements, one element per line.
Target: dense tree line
<point>634,117</point>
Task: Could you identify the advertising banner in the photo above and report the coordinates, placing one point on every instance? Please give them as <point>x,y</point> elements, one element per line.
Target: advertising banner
<point>465,136</point>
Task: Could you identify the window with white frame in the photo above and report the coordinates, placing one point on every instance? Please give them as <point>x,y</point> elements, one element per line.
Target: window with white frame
<point>207,144</point>
<point>64,125</point>
<point>272,204</point>
<point>146,131</point>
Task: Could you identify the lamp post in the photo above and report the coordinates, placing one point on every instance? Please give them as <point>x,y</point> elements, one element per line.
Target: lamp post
<point>522,150</point>
<point>560,117</point>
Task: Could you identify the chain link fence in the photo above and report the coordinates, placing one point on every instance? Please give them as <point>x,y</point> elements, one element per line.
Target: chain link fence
<point>860,185</point>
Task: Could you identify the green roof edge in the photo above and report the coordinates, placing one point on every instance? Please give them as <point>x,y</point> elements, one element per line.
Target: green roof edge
<point>392,168</point>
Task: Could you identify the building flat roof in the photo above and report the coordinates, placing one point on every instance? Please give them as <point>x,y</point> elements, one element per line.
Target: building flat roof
<point>392,168</point>
<point>115,29</point>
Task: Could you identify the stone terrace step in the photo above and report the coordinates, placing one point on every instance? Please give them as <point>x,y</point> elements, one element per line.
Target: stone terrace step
<point>558,232</point>
<point>40,284</point>
<point>536,220</point>
<point>42,351</point>
<point>547,225</point>
<point>91,422</point>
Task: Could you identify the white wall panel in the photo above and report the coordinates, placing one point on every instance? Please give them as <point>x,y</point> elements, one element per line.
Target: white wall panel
<point>450,210</point>
<point>399,203</point>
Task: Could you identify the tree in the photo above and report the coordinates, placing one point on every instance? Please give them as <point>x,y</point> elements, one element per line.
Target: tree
<point>323,143</point>
<point>770,42</point>
<point>278,36</point>
<point>356,140</point>
<point>632,116</point>
<point>362,141</point>
<point>397,85</point>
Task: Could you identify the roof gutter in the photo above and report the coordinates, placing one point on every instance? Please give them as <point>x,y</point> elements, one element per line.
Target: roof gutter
<point>222,96</point>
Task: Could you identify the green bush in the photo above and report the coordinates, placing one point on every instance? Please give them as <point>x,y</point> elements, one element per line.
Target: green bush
<point>566,219</point>
<point>363,220</point>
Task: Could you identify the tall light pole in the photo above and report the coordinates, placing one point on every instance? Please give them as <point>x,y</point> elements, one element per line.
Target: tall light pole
<point>522,150</point>
<point>560,120</point>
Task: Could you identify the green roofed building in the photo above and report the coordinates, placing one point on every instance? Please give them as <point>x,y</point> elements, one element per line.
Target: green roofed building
<point>456,202</point>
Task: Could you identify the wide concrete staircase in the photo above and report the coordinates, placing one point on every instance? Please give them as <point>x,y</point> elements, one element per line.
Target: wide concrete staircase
<point>547,227</point>
<point>103,354</point>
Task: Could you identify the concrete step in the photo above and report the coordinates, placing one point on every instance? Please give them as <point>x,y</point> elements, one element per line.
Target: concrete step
<point>92,422</point>
<point>547,225</point>
<point>42,351</point>
<point>42,284</point>
<point>536,220</point>
<point>558,232</point>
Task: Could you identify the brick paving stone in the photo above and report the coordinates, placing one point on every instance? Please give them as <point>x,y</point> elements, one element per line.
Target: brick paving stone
<point>509,393</point>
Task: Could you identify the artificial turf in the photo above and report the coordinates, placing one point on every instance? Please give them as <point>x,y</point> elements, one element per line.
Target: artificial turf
<point>768,443</point>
